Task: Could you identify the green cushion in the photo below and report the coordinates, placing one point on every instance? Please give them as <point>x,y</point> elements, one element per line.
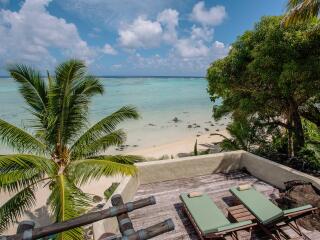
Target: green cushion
<point>297,209</point>
<point>264,210</point>
<point>233,226</point>
<point>205,213</point>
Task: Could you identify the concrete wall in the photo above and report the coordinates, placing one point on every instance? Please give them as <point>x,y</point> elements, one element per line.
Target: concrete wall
<point>163,170</point>
<point>273,173</point>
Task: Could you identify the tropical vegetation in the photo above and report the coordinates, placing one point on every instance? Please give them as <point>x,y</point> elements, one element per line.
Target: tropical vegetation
<point>270,85</point>
<point>301,11</point>
<point>61,150</point>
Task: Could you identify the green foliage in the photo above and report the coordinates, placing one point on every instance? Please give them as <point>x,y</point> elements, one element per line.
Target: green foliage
<point>108,193</point>
<point>63,151</point>
<point>269,76</point>
<point>301,11</point>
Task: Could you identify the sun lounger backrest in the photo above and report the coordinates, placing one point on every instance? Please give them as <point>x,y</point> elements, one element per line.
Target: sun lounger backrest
<point>205,213</point>
<point>258,204</point>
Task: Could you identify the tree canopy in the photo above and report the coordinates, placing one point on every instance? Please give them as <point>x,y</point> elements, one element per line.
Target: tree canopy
<point>272,75</point>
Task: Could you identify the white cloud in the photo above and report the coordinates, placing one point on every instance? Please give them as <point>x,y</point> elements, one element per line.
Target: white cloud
<point>31,35</point>
<point>174,64</point>
<point>142,33</point>
<point>203,33</point>
<point>110,14</point>
<point>187,48</point>
<point>108,49</point>
<point>213,16</point>
<point>170,19</point>
<point>145,33</point>
<point>218,44</point>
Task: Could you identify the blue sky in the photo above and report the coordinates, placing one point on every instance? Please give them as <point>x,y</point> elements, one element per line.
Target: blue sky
<point>126,37</point>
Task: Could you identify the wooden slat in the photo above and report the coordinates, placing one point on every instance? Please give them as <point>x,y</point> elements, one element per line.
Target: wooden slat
<point>169,205</point>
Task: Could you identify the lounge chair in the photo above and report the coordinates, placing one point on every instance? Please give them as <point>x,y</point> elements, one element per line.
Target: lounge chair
<point>208,220</point>
<point>269,216</point>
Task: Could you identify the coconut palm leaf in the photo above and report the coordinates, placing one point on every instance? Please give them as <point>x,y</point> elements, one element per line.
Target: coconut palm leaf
<point>93,169</point>
<point>104,126</point>
<point>301,10</point>
<point>66,202</point>
<point>114,138</point>
<point>20,171</point>
<point>19,140</point>
<point>32,86</point>
<point>68,110</point>
<point>15,206</point>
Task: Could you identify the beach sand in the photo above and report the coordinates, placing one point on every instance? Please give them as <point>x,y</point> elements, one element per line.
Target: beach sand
<point>181,147</point>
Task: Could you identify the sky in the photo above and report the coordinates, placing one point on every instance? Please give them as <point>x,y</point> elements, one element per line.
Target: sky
<point>126,37</point>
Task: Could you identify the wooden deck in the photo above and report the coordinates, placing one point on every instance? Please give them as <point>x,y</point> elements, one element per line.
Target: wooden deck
<point>169,205</point>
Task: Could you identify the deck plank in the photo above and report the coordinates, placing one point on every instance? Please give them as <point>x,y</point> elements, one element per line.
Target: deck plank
<point>169,205</point>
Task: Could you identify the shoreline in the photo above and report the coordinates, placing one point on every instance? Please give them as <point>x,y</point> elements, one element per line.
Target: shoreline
<point>181,148</point>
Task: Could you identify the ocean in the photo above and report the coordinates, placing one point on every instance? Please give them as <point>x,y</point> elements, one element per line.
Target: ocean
<point>159,100</point>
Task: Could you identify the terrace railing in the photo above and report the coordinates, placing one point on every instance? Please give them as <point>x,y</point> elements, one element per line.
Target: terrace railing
<point>27,232</point>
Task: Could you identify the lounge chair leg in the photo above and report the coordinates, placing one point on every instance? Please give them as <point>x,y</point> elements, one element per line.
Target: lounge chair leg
<point>295,227</point>
<point>277,237</point>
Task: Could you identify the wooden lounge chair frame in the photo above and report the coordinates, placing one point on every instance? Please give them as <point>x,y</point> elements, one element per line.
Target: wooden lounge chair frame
<point>287,220</point>
<point>216,235</point>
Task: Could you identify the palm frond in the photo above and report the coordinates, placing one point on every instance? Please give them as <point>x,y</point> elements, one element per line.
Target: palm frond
<point>66,202</point>
<point>105,126</point>
<point>301,11</point>
<point>19,140</point>
<point>15,179</point>
<point>115,138</point>
<point>32,86</point>
<point>25,162</point>
<point>69,99</point>
<point>86,170</point>
<point>15,207</point>
<point>90,86</point>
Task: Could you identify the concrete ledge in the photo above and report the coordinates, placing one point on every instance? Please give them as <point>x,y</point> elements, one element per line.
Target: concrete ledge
<point>163,170</point>
<point>272,172</point>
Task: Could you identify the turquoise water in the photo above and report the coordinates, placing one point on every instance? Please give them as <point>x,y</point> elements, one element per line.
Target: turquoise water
<point>158,100</point>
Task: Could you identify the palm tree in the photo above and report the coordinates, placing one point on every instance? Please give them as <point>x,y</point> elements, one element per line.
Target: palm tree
<point>61,150</point>
<point>301,10</point>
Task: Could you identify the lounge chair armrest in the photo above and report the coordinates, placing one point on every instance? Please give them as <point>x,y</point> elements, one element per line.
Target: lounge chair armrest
<point>297,209</point>
<point>233,226</point>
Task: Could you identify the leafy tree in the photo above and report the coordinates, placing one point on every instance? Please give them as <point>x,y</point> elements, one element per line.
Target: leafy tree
<point>61,150</point>
<point>301,11</point>
<point>272,75</point>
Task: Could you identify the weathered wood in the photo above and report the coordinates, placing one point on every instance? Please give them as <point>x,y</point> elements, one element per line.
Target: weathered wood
<point>215,185</point>
<point>85,219</point>
<point>124,222</point>
<point>150,232</point>
<point>25,225</point>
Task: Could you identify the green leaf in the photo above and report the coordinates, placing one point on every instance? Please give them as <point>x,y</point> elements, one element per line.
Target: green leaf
<point>67,201</point>
<point>32,86</point>
<point>19,139</point>
<point>87,170</point>
<point>14,208</point>
<point>105,126</point>
<point>115,138</point>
